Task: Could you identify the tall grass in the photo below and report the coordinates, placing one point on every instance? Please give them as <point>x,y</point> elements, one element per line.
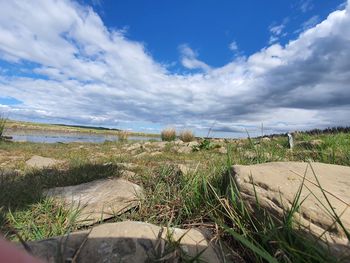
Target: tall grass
<point>207,198</point>
<point>168,134</point>
<point>123,136</point>
<point>186,136</point>
<point>3,121</point>
<point>44,219</point>
<point>260,237</point>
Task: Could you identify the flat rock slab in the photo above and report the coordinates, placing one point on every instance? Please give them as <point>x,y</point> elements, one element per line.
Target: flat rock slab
<point>277,183</point>
<point>57,249</point>
<point>128,242</point>
<point>100,199</point>
<point>41,162</point>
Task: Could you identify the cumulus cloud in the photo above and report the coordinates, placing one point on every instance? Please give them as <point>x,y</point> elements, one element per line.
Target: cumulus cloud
<point>80,71</point>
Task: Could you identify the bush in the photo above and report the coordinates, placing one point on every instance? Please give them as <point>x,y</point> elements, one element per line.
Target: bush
<point>187,136</point>
<point>168,134</point>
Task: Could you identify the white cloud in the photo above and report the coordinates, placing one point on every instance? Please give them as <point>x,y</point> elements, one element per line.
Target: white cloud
<point>233,46</point>
<point>277,31</point>
<point>306,5</point>
<point>189,59</point>
<point>95,75</point>
<point>311,22</point>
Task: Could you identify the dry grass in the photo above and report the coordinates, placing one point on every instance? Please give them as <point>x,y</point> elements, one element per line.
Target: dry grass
<point>2,125</point>
<point>168,134</point>
<point>123,135</point>
<point>187,136</point>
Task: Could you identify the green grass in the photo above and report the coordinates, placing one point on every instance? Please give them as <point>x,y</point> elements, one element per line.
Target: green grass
<point>206,196</point>
<point>43,219</point>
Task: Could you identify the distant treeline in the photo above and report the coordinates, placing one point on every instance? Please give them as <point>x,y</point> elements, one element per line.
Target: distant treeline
<point>328,130</point>
<point>88,127</point>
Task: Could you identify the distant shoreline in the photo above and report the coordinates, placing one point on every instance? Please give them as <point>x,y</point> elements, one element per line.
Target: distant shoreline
<point>21,126</point>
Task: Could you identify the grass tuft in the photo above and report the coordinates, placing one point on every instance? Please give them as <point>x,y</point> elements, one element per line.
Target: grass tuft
<point>187,136</point>
<point>168,134</point>
<point>44,219</point>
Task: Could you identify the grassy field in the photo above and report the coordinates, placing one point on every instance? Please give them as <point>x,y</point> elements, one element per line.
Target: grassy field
<point>33,126</point>
<point>203,197</point>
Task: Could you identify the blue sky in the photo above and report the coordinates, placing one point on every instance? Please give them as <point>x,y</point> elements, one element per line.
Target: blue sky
<point>146,65</point>
<point>209,26</point>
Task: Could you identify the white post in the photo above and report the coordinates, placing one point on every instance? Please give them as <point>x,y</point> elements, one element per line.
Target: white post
<point>291,141</point>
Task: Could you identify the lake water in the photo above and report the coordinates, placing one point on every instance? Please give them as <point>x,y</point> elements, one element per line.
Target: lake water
<point>54,137</point>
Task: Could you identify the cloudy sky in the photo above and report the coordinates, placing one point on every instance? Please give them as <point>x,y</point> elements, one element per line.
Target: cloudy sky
<point>145,65</point>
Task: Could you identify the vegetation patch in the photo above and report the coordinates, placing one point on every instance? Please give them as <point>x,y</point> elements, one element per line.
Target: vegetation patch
<point>186,136</point>
<point>168,134</point>
<point>3,121</point>
<point>206,196</point>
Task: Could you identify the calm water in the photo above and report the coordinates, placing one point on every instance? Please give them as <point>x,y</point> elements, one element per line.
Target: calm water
<point>53,137</point>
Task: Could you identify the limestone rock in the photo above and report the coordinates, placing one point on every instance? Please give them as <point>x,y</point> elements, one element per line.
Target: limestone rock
<point>159,145</point>
<point>99,199</point>
<point>41,162</point>
<point>58,249</point>
<point>265,139</point>
<point>193,144</point>
<point>129,242</point>
<point>155,153</point>
<point>276,185</point>
<point>138,242</point>
<point>222,150</point>
<point>184,149</point>
<point>178,142</point>
<point>134,146</point>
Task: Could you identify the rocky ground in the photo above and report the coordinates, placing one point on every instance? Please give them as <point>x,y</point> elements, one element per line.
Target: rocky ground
<point>201,201</point>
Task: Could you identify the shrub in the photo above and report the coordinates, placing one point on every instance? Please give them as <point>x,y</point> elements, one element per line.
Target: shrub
<point>187,136</point>
<point>168,134</point>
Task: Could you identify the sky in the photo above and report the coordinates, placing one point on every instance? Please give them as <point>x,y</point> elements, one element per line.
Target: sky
<point>221,66</point>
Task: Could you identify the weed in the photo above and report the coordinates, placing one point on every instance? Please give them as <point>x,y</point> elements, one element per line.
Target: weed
<point>205,144</point>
